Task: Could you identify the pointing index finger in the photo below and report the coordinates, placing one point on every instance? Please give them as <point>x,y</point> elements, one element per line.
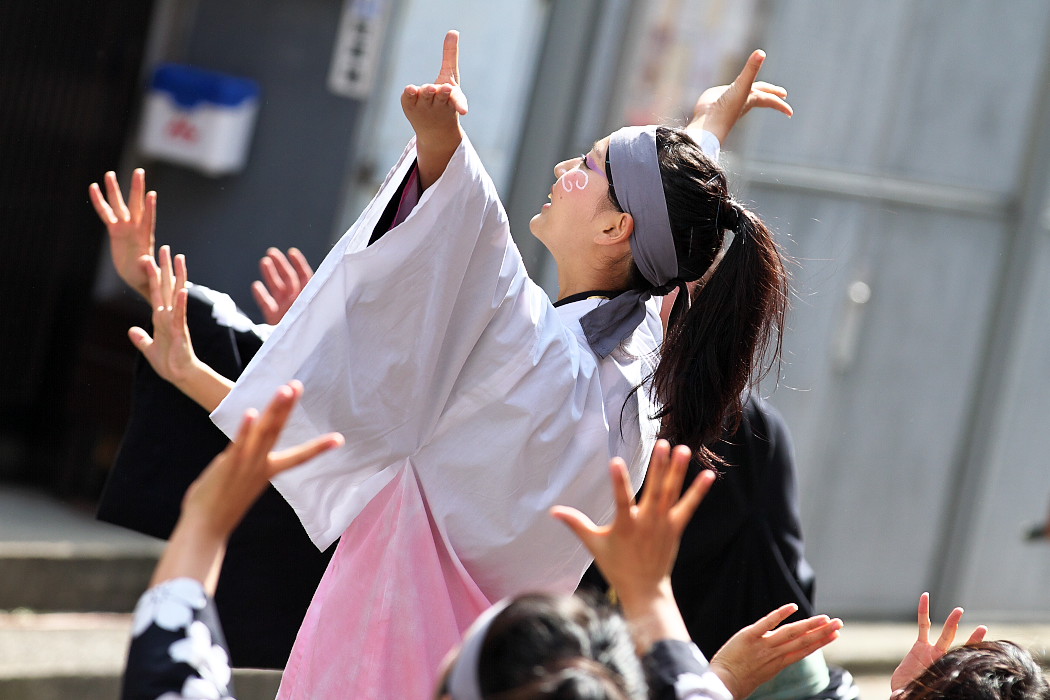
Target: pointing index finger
<point>750,72</point>
<point>450,57</point>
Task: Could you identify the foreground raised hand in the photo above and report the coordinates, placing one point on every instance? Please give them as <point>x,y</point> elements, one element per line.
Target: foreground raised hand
<point>131,226</point>
<point>283,277</point>
<point>170,351</point>
<point>719,108</point>
<point>922,653</point>
<point>760,651</point>
<point>637,550</point>
<point>216,502</point>
<point>434,110</point>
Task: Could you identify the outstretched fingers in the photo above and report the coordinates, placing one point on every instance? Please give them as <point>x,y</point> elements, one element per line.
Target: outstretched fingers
<point>151,215</point>
<point>581,525</point>
<point>301,265</point>
<point>277,271</point>
<point>450,59</point>
<point>294,456</point>
<point>674,477</point>
<point>683,511</point>
<point>102,207</point>
<point>272,421</point>
<point>924,618</point>
<point>771,620</point>
<point>656,481</point>
<point>450,72</point>
<point>136,199</point>
<point>747,75</point>
<point>977,635</point>
<point>264,300</point>
<point>166,277</point>
<point>116,200</point>
<point>770,88</point>
<point>813,633</point>
<point>949,630</point>
<point>770,101</point>
<point>623,492</point>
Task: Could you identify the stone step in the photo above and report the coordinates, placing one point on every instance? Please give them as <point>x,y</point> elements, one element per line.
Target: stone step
<point>55,577</point>
<point>56,557</point>
<point>81,655</point>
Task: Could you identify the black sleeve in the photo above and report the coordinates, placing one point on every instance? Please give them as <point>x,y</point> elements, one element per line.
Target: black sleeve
<point>669,662</point>
<point>180,643</point>
<point>169,438</point>
<point>741,555</point>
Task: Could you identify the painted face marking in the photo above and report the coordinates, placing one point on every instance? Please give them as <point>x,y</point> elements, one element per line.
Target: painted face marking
<point>574,180</point>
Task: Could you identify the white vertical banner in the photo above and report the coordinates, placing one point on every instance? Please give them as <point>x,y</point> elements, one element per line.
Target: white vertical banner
<point>358,41</point>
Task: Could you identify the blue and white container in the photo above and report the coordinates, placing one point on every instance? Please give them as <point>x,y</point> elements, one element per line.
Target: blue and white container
<point>199,118</point>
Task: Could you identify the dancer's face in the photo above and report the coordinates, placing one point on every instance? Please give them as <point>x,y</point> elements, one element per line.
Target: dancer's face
<point>579,209</point>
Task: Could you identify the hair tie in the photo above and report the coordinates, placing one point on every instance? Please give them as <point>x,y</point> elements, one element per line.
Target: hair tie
<point>729,215</point>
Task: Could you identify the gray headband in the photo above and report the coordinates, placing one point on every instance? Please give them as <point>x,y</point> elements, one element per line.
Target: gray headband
<point>463,678</point>
<point>634,165</point>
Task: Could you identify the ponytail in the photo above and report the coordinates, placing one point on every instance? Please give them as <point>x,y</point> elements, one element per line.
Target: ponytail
<point>732,330</point>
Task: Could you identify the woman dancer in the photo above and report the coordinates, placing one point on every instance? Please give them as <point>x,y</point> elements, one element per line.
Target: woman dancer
<point>421,333</point>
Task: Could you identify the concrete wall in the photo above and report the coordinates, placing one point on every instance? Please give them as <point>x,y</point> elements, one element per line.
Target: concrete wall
<point>913,171</point>
<point>289,193</point>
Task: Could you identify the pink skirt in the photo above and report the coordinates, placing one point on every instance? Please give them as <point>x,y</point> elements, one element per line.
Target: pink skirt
<point>392,603</point>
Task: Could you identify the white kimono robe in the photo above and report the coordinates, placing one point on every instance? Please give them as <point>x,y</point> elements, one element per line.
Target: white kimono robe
<point>470,406</point>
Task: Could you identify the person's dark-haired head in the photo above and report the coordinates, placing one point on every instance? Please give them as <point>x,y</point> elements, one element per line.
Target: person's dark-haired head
<point>556,647</point>
<point>717,343</point>
<point>998,670</point>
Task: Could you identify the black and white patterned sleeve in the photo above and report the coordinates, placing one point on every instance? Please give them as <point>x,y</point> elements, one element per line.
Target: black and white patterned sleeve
<point>676,670</point>
<point>177,647</point>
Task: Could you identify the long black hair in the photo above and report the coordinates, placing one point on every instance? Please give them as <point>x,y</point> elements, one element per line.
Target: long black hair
<point>730,332</point>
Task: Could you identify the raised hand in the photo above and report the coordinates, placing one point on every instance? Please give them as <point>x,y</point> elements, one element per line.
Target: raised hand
<point>225,490</point>
<point>760,651</point>
<point>718,108</point>
<point>637,550</point>
<point>434,110</point>
<point>922,653</point>
<point>130,226</point>
<point>216,502</point>
<point>170,351</point>
<point>282,280</point>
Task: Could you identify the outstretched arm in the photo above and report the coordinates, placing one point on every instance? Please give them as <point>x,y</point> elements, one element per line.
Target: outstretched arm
<point>176,649</point>
<point>216,502</point>
<point>170,351</point>
<point>130,226</point>
<point>434,110</point>
<point>922,653</point>
<point>719,108</point>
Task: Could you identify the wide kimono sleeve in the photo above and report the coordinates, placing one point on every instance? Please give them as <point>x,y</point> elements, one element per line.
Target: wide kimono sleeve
<point>177,649</point>
<point>379,336</point>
